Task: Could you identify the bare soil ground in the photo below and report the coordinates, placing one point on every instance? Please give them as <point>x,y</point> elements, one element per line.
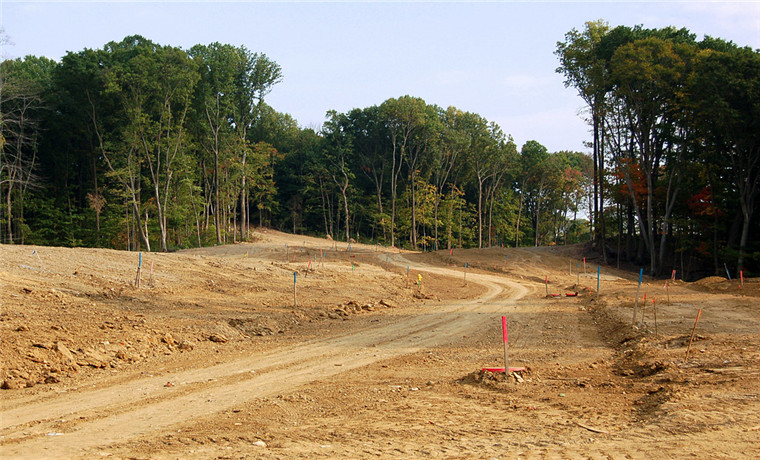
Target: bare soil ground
<point>210,358</point>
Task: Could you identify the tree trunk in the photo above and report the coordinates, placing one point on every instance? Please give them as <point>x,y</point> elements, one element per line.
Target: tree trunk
<point>480,212</point>
<point>345,209</point>
<point>600,220</point>
<point>519,216</point>
<point>414,215</point>
<point>217,207</point>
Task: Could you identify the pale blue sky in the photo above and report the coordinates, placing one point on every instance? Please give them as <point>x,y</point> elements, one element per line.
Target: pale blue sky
<point>492,58</point>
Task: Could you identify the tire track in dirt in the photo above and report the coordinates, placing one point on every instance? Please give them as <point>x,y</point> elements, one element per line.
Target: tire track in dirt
<point>100,417</point>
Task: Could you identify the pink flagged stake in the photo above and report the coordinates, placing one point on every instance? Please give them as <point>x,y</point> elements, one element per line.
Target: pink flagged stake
<point>451,251</point>
<point>741,277</point>
<point>506,344</point>
<point>506,367</point>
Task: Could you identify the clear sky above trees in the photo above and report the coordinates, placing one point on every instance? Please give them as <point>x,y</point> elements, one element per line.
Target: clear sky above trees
<point>495,59</point>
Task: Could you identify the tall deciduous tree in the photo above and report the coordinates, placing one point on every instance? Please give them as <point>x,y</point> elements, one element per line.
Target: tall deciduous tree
<point>725,89</point>
<point>23,84</point>
<point>586,71</point>
<point>156,84</point>
<point>403,117</point>
<point>648,74</point>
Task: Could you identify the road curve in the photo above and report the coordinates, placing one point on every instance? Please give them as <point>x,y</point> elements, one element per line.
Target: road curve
<point>97,418</point>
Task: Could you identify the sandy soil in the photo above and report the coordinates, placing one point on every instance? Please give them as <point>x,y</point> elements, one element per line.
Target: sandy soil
<point>210,358</point>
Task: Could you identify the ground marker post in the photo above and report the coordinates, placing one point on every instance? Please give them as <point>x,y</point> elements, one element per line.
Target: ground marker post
<point>546,283</point>
<point>584,265</point>
<point>578,269</point>
<point>295,298</point>
<point>638,289</point>
<point>673,276</point>
<point>654,311</point>
<point>692,334</point>
<point>741,277</point>
<point>139,269</point>
<point>727,272</point>
<point>151,273</point>
<point>287,253</point>
<point>465,273</point>
<point>34,251</point>
<point>598,276</point>
<point>667,291</point>
<point>506,344</point>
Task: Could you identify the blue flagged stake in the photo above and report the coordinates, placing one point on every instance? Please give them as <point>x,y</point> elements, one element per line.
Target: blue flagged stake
<point>598,275</point>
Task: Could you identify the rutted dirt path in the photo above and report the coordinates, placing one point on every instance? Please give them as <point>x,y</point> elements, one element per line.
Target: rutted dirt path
<point>115,414</point>
<point>211,359</point>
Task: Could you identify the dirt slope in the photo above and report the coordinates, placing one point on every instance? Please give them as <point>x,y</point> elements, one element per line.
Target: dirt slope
<point>212,359</point>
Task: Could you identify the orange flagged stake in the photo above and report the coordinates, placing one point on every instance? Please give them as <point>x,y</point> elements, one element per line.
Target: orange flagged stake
<point>741,277</point>
<point>692,334</point>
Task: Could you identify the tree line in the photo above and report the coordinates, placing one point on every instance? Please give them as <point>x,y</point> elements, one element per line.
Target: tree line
<point>675,143</point>
<point>143,146</point>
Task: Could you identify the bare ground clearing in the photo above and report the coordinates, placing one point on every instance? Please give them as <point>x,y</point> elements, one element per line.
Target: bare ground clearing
<point>212,360</point>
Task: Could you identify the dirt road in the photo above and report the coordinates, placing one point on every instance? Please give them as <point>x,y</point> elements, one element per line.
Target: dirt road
<point>369,381</point>
<point>119,412</point>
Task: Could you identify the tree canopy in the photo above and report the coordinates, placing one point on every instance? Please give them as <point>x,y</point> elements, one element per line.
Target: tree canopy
<point>143,146</point>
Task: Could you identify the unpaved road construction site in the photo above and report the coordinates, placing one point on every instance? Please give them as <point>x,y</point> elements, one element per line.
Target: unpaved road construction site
<point>372,352</point>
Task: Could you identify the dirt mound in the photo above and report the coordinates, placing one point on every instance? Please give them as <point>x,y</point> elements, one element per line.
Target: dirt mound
<point>718,284</point>
<point>499,381</point>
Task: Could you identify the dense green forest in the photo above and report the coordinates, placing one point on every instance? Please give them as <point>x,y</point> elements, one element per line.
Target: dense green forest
<point>143,146</point>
